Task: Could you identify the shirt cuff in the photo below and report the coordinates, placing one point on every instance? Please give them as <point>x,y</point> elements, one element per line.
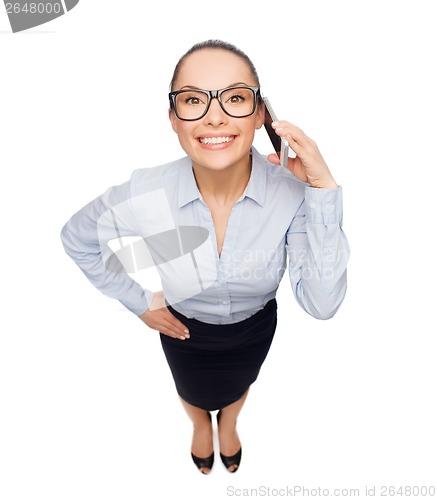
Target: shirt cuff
<point>324,206</point>
<point>138,304</point>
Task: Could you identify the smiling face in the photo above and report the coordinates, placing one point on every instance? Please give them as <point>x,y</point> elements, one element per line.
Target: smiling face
<point>216,141</point>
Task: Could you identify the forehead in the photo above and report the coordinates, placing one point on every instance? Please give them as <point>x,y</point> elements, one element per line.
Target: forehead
<point>214,69</point>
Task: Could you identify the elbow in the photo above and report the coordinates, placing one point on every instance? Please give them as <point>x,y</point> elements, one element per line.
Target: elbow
<point>324,306</point>
<point>69,240</point>
<point>324,314</point>
<point>64,237</point>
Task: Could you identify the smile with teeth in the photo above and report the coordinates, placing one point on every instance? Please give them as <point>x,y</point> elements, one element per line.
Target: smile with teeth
<point>216,140</point>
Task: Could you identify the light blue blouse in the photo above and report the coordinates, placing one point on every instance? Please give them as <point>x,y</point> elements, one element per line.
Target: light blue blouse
<point>158,218</point>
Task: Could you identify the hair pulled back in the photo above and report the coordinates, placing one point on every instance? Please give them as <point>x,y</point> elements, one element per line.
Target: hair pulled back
<point>218,45</point>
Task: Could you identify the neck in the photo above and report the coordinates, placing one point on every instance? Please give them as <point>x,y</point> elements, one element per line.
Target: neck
<point>223,186</point>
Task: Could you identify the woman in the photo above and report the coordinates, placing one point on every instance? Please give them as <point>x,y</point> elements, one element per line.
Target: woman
<point>219,225</point>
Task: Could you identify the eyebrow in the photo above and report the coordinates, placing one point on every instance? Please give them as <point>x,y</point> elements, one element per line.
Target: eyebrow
<point>231,85</point>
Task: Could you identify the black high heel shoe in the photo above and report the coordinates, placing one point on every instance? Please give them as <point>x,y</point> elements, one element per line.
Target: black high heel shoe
<point>232,460</point>
<point>207,462</point>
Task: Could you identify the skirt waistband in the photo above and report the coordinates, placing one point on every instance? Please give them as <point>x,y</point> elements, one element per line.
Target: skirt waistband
<point>210,336</point>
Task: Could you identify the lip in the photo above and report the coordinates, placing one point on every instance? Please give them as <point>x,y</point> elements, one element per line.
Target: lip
<point>211,146</point>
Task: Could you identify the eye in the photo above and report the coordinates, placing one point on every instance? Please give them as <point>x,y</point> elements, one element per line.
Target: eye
<point>193,98</point>
<point>236,99</point>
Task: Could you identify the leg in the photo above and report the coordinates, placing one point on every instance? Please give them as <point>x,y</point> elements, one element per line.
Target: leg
<point>202,444</point>
<point>228,437</point>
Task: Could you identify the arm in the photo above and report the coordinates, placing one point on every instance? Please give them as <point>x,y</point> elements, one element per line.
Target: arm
<point>318,252</point>
<point>317,248</point>
<point>85,238</point>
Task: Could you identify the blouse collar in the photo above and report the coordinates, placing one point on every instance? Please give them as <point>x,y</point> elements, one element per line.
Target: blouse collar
<point>255,189</point>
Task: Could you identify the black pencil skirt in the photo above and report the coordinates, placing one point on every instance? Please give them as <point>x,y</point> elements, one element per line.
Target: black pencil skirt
<point>217,364</point>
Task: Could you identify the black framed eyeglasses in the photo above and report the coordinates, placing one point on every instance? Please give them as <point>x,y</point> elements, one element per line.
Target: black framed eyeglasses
<point>193,104</point>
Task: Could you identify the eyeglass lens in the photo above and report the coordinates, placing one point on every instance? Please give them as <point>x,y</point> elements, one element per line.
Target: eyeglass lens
<point>237,102</point>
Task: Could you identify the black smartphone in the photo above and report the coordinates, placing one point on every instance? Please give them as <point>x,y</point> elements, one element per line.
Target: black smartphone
<point>279,143</point>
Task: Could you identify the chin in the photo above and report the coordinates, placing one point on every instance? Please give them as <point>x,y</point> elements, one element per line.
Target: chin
<point>216,164</point>
<point>219,160</point>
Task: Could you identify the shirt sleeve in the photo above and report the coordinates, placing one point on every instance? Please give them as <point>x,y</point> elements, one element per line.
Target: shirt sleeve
<point>85,238</point>
<point>318,253</point>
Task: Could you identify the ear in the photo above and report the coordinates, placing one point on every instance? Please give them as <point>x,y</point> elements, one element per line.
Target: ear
<point>260,116</point>
<point>173,120</point>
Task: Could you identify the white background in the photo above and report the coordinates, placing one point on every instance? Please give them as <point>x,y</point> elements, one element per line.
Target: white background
<point>88,406</point>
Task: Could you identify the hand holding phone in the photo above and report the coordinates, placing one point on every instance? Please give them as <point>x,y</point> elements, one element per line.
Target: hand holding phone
<point>279,143</point>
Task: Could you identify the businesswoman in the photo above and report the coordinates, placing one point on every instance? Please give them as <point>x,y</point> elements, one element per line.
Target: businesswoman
<point>220,225</point>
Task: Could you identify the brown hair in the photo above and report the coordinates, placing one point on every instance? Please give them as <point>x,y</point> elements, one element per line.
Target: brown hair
<point>214,44</point>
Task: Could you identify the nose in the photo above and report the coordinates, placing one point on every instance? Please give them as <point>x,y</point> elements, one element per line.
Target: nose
<point>215,116</point>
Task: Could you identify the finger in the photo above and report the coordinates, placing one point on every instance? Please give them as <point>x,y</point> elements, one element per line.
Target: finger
<point>273,158</point>
<point>171,318</point>
<point>295,146</point>
<point>285,132</point>
<point>292,134</point>
<point>281,125</point>
<point>173,332</point>
<point>175,326</point>
<point>164,322</point>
